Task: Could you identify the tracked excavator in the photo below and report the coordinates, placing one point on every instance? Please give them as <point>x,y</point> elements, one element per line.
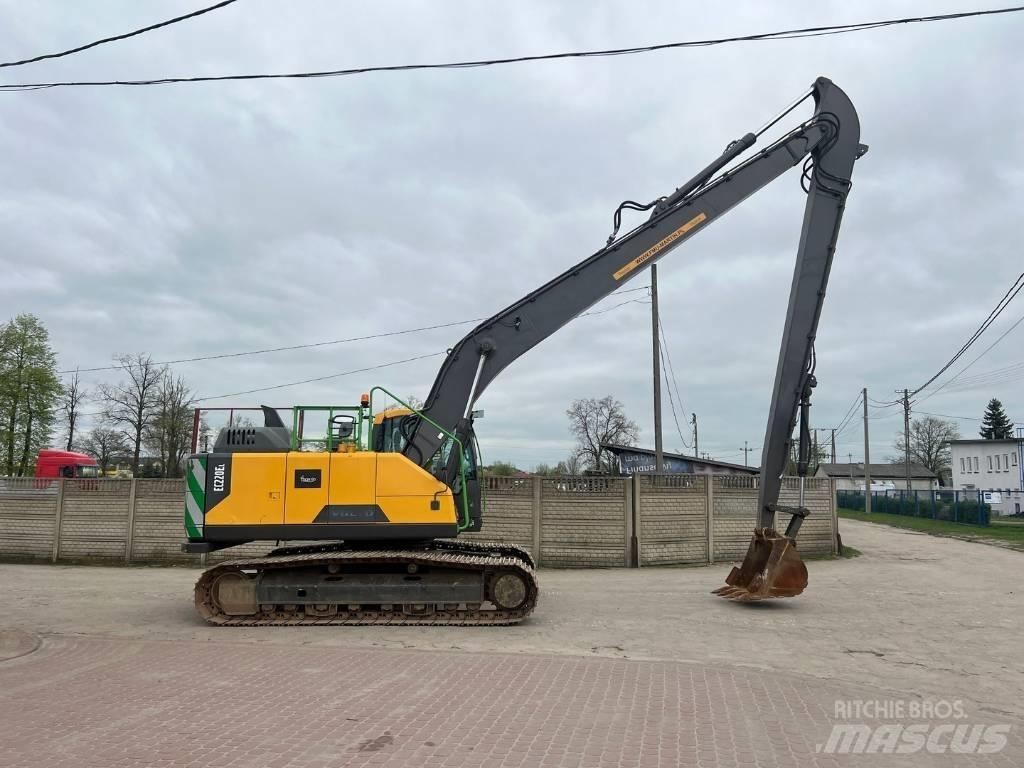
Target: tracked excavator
<point>379,500</point>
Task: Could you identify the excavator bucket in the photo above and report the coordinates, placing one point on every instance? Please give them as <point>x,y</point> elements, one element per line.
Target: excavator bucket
<point>772,568</point>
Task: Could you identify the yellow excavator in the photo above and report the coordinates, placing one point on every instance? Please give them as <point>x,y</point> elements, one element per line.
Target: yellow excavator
<point>379,500</point>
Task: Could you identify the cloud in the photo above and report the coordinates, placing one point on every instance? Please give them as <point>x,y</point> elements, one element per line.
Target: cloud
<point>193,220</point>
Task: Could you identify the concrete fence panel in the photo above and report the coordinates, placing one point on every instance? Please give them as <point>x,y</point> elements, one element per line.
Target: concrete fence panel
<point>157,531</point>
<point>583,522</point>
<point>673,519</point>
<point>28,518</point>
<point>734,515</point>
<point>509,512</point>
<point>564,521</point>
<point>94,520</point>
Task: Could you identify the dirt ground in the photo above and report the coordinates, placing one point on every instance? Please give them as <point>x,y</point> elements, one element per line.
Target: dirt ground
<point>915,616</point>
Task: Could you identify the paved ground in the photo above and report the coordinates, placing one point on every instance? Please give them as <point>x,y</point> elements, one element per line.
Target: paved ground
<point>615,668</point>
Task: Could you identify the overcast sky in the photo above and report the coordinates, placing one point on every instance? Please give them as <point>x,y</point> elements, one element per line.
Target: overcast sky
<point>186,220</point>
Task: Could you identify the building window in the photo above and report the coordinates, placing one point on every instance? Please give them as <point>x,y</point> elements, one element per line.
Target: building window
<point>1006,462</point>
<point>961,466</point>
<point>989,463</point>
<point>1014,456</point>
<point>976,464</point>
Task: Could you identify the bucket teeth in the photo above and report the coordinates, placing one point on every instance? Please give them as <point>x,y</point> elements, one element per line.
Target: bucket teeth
<point>772,568</point>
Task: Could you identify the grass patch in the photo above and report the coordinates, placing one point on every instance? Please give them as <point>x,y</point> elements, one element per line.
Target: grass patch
<point>1007,533</point>
<point>848,552</point>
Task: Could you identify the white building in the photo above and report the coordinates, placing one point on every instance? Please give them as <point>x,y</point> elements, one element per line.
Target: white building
<point>995,466</point>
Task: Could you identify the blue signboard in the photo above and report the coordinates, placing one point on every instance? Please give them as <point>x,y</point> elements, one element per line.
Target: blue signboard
<point>644,462</point>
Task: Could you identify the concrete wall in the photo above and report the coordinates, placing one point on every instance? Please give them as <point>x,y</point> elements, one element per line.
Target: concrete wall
<point>568,522</point>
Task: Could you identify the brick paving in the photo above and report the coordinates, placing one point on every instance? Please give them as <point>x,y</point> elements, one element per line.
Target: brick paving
<point>106,702</point>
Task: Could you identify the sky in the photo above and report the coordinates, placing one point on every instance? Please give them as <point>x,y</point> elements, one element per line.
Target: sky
<point>191,220</point>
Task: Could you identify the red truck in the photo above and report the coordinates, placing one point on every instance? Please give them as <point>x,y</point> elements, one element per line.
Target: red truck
<point>52,463</point>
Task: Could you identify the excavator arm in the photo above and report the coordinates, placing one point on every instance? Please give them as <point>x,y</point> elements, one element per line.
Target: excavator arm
<point>829,145</point>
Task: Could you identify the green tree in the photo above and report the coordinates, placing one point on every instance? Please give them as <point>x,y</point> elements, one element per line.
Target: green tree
<point>996,425</point>
<point>501,469</point>
<point>29,393</point>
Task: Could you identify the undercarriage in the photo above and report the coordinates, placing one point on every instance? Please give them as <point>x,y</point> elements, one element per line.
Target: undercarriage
<point>443,582</point>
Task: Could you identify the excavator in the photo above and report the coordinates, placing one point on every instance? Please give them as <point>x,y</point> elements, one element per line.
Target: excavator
<point>374,507</point>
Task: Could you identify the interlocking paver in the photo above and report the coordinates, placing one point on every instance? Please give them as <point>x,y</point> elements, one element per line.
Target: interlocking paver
<point>109,702</point>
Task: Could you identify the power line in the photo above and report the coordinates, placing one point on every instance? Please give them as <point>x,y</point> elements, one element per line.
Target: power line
<point>284,349</point>
<point>966,367</point>
<point>673,384</point>
<point>319,378</point>
<point>311,345</point>
<point>115,38</point>
<point>850,412</point>
<point>1001,305</point>
<point>671,399</point>
<point>786,34</point>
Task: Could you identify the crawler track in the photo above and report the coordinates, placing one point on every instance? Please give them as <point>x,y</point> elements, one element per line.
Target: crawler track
<point>490,560</point>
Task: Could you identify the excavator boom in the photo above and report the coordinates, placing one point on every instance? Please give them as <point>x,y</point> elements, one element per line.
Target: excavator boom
<point>387,496</point>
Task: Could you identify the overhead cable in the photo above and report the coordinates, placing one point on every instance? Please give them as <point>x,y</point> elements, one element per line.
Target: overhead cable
<point>785,34</point>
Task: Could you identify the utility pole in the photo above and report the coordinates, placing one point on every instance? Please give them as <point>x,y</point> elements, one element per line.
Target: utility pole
<point>659,456</point>
<point>850,456</point>
<point>867,456</point>
<point>833,446</point>
<point>696,447</point>
<point>906,434</point>
<point>815,451</point>
<point>745,450</point>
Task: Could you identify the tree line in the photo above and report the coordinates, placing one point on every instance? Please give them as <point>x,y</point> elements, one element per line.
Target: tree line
<point>146,413</point>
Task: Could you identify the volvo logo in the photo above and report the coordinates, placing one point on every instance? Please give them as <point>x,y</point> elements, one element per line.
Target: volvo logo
<point>307,478</point>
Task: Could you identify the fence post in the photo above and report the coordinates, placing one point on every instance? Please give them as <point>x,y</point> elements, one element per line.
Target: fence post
<point>59,511</point>
<point>709,503</point>
<point>833,518</point>
<point>131,522</point>
<point>956,506</point>
<point>537,481</point>
<point>631,550</point>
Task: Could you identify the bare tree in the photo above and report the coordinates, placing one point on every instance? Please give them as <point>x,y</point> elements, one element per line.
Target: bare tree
<point>929,443</point>
<point>573,465</point>
<point>168,433</point>
<point>597,423</point>
<point>72,397</point>
<point>203,438</point>
<point>105,445</point>
<point>132,403</point>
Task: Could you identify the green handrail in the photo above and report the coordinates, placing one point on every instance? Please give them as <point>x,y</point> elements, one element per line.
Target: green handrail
<point>466,523</point>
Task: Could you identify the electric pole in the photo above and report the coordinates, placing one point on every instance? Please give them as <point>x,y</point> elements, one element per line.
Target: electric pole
<point>906,434</point>
<point>815,451</point>
<point>850,456</point>
<point>696,448</point>
<point>867,456</point>
<point>833,446</point>
<point>659,456</point>
<point>745,462</point>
